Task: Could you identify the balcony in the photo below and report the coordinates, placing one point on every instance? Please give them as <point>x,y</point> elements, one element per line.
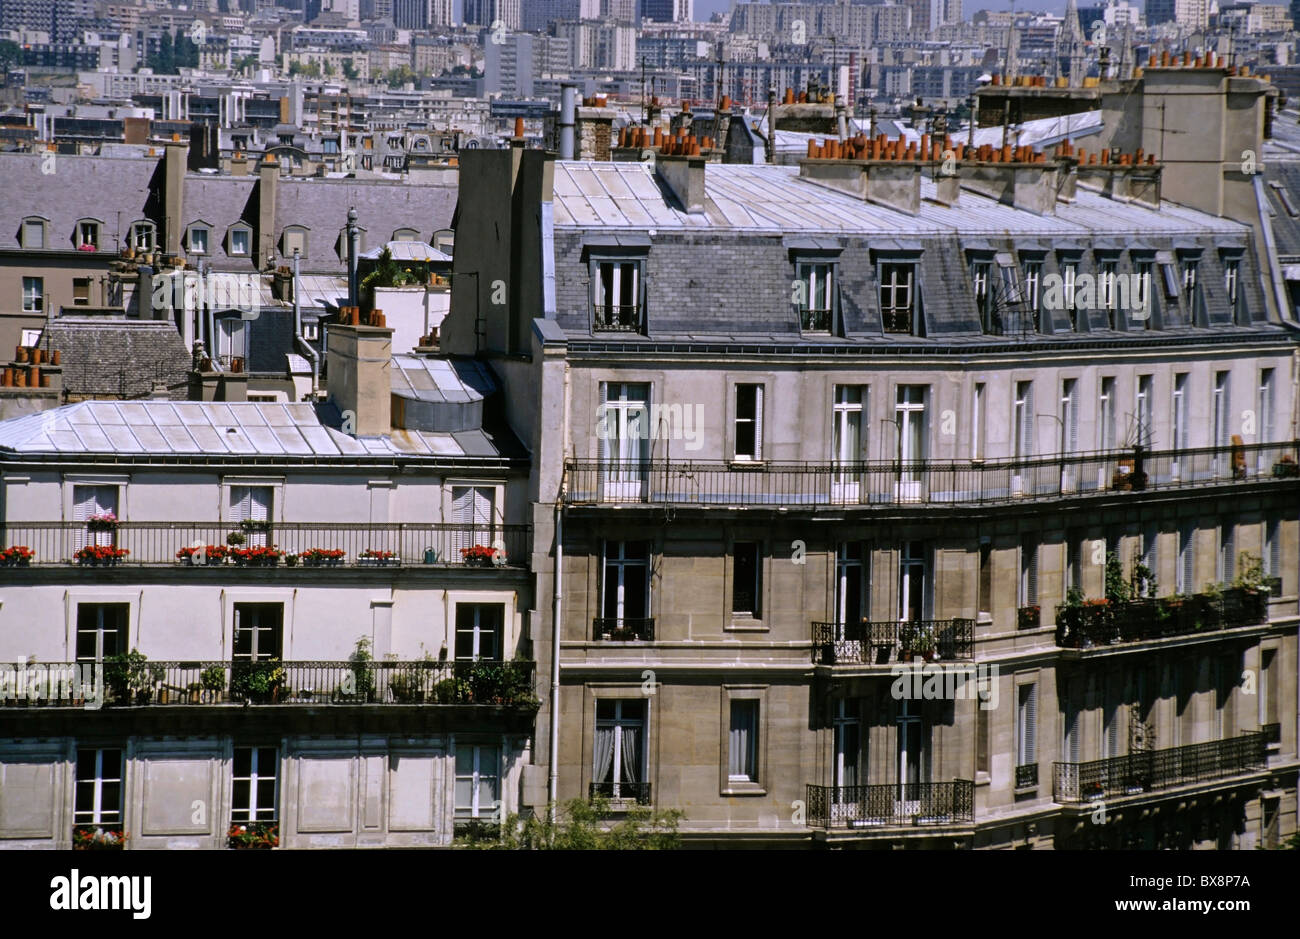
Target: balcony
<point>624,629</point>
<point>885,483</point>
<point>1108,623</point>
<point>886,643</point>
<point>891,805</point>
<point>638,793</point>
<point>292,544</point>
<point>1153,770</point>
<point>1027,776</point>
<point>621,318</point>
<point>120,683</point>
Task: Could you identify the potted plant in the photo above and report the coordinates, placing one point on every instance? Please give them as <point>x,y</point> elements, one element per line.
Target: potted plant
<point>906,642</point>
<point>17,556</point>
<point>93,555</point>
<point>478,556</point>
<point>104,521</point>
<point>210,555</point>
<point>129,678</point>
<point>1286,467</point>
<point>250,525</point>
<point>254,836</point>
<point>97,838</point>
<point>291,560</point>
<point>235,539</point>
<point>1029,617</point>
<point>258,681</point>
<point>195,690</point>
<point>924,645</point>
<point>322,557</point>
<point>213,680</point>
<point>363,672</point>
<point>372,557</point>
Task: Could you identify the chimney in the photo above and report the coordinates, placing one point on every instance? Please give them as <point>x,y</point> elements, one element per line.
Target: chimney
<point>268,181</point>
<point>684,175</point>
<point>239,165</point>
<point>1124,182</point>
<point>568,112</point>
<point>594,125</point>
<point>175,160</point>
<point>360,385</point>
<point>895,184</point>
<point>1026,185</point>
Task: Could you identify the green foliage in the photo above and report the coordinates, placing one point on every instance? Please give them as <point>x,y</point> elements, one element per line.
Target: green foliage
<point>1250,572</point>
<point>400,75</point>
<point>579,826</point>
<point>127,675</point>
<point>213,678</point>
<point>256,680</point>
<point>1118,589</point>
<point>310,70</point>
<point>361,668</point>
<point>349,70</point>
<point>11,54</point>
<point>1074,597</point>
<point>1144,580</point>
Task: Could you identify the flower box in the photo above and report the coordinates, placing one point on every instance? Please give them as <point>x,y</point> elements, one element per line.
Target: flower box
<point>17,556</point>
<point>375,558</point>
<point>256,557</point>
<point>321,557</point>
<point>105,522</point>
<point>1286,468</point>
<point>254,836</point>
<point>1029,617</point>
<point>212,554</point>
<point>100,555</point>
<point>97,838</point>
<point>481,556</point>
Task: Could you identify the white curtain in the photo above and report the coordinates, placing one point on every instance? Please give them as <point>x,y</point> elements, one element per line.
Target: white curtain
<point>742,735</point>
<point>604,753</point>
<point>631,742</point>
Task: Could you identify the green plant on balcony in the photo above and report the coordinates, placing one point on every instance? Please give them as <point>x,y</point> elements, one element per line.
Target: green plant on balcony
<point>129,677</point>
<point>254,835</point>
<point>235,539</point>
<point>259,680</point>
<point>363,672</point>
<point>213,678</point>
<point>1250,573</point>
<point>250,525</point>
<point>1029,617</point>
<point>452,691</point>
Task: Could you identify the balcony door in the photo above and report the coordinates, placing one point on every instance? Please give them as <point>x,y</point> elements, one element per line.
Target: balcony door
<point>472,512</point>
<point>626,586</point>
<point>849,443</point>
<point>850,602</point>
<point>624,433</point>
<point>259,631</point>
<point>101,630</point>
<point>250,508</point>
<point>847,800</point>
<point>90,502</point>
<point>913,758</point>
<point>620,746</point>
<point>909,413</point>
<point>913,577</point>
<point>478,631</point>
<point>1180,425</point>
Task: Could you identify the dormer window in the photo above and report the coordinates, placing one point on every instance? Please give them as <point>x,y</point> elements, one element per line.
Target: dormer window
<point>240,242</point>
<point>198,239</point>
<point>294,239</point>
<point>406,234</point>
<point>87,235</point>
<point>34,233</point>
<point>142,236</point>
<point>618,296</point>
<point>898,297</point>
<point>814,296</point>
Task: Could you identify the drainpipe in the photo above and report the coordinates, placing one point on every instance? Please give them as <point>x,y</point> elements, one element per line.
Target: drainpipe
<point>841,118</point>
<point>771,124</point>
<point>301,343</point>
<point>553,774</point>
<point>568,116</point>
<point>352,256</point>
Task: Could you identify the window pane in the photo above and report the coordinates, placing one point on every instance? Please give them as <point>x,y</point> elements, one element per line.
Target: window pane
<point>745,584</point>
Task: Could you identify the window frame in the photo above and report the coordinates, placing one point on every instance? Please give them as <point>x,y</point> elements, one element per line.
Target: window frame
<point>288,237</point>
<point>40,222</point>
<point>96,786</point>
<point>754,579</point>
<point>597,261</point>
<point>892,266</point>
<point>755,422</point>
<point>100,631</point>
<point>142,235</point>
<point>617,723</point>
<point>198,229</point>
<point>1027,725</point>
<point>33,294</point>
<point>231,249</point>
<point>79,234</point>
<point>477,631</point>
<point>756,785</point>
<point>829,268</point>
<point>462,815</point>
<point>252,811</point>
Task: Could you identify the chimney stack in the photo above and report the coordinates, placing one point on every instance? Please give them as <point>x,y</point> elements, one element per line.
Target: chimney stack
<point>360,383</point>
<point>684,175</point>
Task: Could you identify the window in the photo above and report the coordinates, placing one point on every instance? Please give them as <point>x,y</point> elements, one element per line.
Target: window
<point>99,788</point>
<point>982,740</point>
<point>618,296</point>
<point>33,294</point>
<point>478,782</point>
<point>1264,413</point>
<point>198,240</point>
<point>1026,730</point>
<point>977,433</point>
<point>142,236</point>
<point>848,743</point>
<point>1106,415</point>
<point>81,291</point>
<point>742,758</point>
<point>897,297</point>
<point>1033,283</point>
<point>253,785</point>
<point>311,332</point>
<point>89,502</point>
<point>1231,268</point>
<point>88,234</point>
<point>232,339</point>
<point>1222,411</point>
<point>1169,275</point>
<point>1110,719</point>
<point>478,631</point>
<point>1271,556</point>
<point>1073,561</point>
<point>747,578</point>
<point>848,440</point>
<point>626,584</point>
<point>624,435</point>
<point>1185,576</point>
<point>909,415</point>
<point>252,504</point>
<point>406,234</point>
<point>1069,417</point>
<point>1028,593</point>
<point>472,512</point>
<point>981,274</point>
<point>1142,300</point>
<point>815,296</point>
<point>240,239</point>
<point>913,752</point>
<point>1142,412</point>
<point>1192,287</point>
<point>33,233</point>
<point>1069,275</point>
<point>985,598</point>
<point>1106,277</point>
<point>258,631</point>
<point>101,630</point>
<point>1023,419</point>
<point>295,239</point>
<point>1269,690</point>
<point>749,422</point>
<point>619,753</point>
<point>850,584</point>
<point>1070,744</point>
<point>1227,553</point>
<point>1180,421</point>
<point>912,569</point>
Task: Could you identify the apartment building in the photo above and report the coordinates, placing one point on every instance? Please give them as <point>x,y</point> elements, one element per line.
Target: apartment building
<point>797,430</point>
<point>306,624</point>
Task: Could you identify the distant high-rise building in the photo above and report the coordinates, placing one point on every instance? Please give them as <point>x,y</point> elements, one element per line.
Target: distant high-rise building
<point>488,12</point>
<point>668,11</point>
<point>1191,13</point>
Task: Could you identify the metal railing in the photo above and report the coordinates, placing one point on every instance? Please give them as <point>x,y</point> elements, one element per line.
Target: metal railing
<point>1026,775</point>
<point>893,483</point>
<point>891,805</point>
<point>618,318</point>
<point>883,643</point>
<point>1104,622</point>
<point>1272,733</point>
<point>118,683</point>
<point>1150,770</point>
<point>638,792</point>
<point>623,629</point>
<point>386,544</point>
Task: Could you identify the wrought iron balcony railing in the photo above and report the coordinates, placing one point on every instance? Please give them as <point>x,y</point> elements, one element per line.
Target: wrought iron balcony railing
<point>879,483</point>
<point>1026,775</point>
<point>638,792</point>
<point>311,544</point>
<point>623,629</point>
<point>1272,733</point>
<point>126,683</point>
<point>1152,770</point>
<point>891,805</point>
<point>1104,622</point>
<point>626,318</point>
<point>884,643</point>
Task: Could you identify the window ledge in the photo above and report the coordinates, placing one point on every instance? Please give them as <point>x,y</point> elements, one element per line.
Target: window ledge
<point>747,464</point>
<point>744,789</point>
<point>747,626</point>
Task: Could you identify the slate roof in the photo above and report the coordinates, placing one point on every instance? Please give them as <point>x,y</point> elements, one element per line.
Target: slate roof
<point>1282,187</point>
<point>116,356</point>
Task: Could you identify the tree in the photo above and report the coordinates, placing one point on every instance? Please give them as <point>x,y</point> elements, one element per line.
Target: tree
<point>164,63</point>
<point>248,63</point>
<point>579,827</point>
<point>400,75</point>
<point>329,69</point>
<point>349,70</point>
<point>10,55</point>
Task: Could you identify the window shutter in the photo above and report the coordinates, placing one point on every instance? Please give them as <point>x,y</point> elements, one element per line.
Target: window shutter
<point>259,503</point>
<point>1031,578</point>
<point>603,419</point>
<point>241,503</point>
<point>1272,549</point>
<point>1228,558</point>
<point>758,422</point>
<point>1112,730</point>
<point>1027,421</point>
<point>1072,735</point>
<point>1188,559</point>
<point>1031,725</point>
<point>84,503</point>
